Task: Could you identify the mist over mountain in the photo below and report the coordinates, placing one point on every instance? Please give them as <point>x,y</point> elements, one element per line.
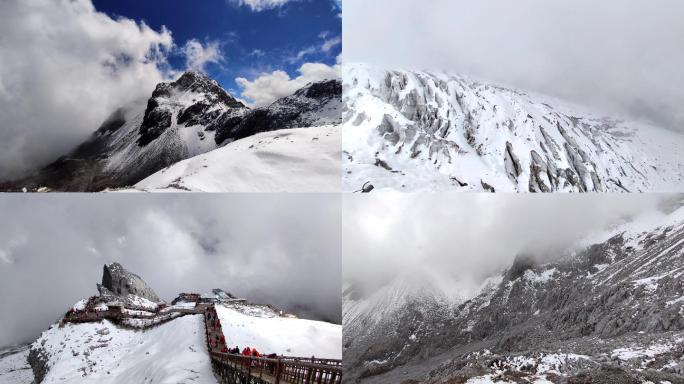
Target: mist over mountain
<point>593,300</point>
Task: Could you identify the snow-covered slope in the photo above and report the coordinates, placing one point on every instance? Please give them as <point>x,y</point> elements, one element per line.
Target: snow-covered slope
<point>292,160</point>
<point>617,303</point>
<point>175,352</point>
<point>14,368</point>
<point>269,332</point>
<point>414,131</point>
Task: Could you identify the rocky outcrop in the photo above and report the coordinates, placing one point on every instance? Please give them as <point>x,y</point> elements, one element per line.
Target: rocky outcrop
<point>116,280</point>
<point>38,361</point>
<point>511,162</point>
<point>204,110</point>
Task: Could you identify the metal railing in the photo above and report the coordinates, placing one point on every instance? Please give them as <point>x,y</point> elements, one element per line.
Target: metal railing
<point>277,370</point>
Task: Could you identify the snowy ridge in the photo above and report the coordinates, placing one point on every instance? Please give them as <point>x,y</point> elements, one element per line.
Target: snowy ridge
<point>432,131</point>
<point>293,160</point>
<point>388,300</point>
<point>104,353</point>
<point>388,327</point>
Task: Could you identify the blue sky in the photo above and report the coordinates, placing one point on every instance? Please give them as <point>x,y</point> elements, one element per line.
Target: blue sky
<point>250,41</point>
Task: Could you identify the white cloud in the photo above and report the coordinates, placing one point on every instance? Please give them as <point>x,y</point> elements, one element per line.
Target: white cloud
<point>325,47</point>
<point>329,44</point>
<point>268,87</point>
<point>302,53</point>
<point>6,257</point>
<point>65,67</point>
<point>198,56</point>
<point>257,53</point>
<point>260,5</point>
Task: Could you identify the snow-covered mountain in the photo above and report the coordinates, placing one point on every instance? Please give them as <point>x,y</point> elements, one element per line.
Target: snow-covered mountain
<point>127,334</point>
<point>182,119</point>
<point>614,308</point>
<point>288,160</point>
<point>383,327</point>
<point>409,131</point>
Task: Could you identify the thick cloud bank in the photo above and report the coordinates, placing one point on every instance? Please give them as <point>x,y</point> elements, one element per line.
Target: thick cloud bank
<point>62,56</point>
<point>461,239</point>
<point>615,56</point>
<point>278,249</point>
<point>268,87</point>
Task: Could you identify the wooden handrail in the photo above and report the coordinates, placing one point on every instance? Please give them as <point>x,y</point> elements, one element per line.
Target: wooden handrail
<point>282,370</point>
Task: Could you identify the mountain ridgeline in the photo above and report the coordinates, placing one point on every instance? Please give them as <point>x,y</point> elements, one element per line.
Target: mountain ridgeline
<point>613,310</point>
<point>182,119</point>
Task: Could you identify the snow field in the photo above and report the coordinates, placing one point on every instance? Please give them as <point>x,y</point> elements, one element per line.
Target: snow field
<point>281,335</point>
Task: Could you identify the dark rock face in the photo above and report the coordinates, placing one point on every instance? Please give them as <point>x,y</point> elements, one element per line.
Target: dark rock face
<point>322,90</point>
<point>39,364</point>
<point>159,112</point>
<point>118,281</point>
<point>521,264</point>
<point>513,168</point>
<point>300,110</point>
<point>154,124</point>
<point>198,114</point>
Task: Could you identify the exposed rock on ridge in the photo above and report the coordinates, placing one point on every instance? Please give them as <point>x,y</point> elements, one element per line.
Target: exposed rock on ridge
<point>120,282</point>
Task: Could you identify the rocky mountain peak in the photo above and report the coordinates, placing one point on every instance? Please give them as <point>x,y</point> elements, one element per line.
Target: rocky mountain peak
<point>199,82</point>
<point>117,281</point>
<point>193,99</point>
<point>523,262</point>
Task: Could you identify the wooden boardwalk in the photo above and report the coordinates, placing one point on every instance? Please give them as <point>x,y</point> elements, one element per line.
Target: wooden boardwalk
<point>230,368</point>
<point>234,369</point>
<point>240,369</point>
